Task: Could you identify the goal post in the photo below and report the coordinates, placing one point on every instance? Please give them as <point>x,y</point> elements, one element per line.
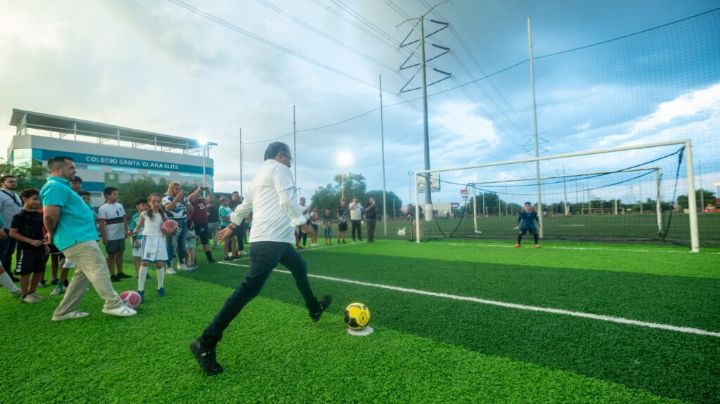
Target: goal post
<point>492,172</point>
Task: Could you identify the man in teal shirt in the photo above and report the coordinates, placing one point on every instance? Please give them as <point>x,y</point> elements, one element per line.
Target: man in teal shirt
<point>71,226</point>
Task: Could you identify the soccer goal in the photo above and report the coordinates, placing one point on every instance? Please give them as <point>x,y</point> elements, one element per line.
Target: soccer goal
<point>639,193</point>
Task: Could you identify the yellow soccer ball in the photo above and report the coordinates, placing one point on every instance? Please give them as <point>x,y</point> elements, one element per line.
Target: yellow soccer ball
<point>357,316</point>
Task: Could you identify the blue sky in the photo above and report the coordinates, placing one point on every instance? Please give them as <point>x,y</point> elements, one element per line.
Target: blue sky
<point>155,65</point>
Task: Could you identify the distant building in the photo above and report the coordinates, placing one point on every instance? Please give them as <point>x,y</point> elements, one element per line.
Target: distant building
<point>107,154</point>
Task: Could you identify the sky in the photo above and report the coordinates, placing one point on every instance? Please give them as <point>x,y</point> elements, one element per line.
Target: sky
<point>211,69</point>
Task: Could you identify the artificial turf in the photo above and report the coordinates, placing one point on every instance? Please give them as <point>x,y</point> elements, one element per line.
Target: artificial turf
<point>425,349</point>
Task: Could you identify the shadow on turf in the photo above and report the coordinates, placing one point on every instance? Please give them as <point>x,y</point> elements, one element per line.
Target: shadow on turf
<point>666,363</point>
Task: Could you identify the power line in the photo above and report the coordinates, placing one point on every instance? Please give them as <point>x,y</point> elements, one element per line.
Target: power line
<point>267,42</point>
<point>324,34</point>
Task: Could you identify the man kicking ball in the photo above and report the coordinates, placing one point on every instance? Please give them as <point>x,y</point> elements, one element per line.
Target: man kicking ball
<point>272,200</point>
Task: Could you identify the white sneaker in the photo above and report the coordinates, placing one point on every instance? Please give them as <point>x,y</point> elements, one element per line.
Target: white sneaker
<point>56,291</point>
<point>31,299</point>
<point>70,316</point>
<point>37,295</point>
<point>122,311</point>
<point>170,271</point>
<point>182,267</point>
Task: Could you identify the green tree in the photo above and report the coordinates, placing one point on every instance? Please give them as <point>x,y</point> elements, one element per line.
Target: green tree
<point>708,197</point>
<point>33,176</point>
<point>390,197</point>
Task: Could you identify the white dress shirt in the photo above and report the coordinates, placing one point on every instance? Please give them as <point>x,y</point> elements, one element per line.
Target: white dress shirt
<point>272,199</point>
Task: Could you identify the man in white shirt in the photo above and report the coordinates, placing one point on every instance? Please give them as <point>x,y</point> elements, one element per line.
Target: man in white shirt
<point>356,213</point>
<point>271,197</point>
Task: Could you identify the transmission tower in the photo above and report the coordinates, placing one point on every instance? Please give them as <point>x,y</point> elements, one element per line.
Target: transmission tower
<point>423,68</point>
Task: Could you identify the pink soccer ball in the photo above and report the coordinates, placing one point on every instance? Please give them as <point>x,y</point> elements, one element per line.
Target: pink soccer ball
<point>168,227</point>
<point>131,298</point>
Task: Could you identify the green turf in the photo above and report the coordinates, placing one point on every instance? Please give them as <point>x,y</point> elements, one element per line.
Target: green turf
<point>425,349</point>
<point>615,228</point>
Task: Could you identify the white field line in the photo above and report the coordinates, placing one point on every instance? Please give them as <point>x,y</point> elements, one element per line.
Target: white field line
<point>598,317</point>
<point>511,245</point>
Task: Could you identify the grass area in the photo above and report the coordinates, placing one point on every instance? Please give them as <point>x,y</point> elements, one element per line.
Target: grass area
<point>623,228</point>
<point>424,349</point>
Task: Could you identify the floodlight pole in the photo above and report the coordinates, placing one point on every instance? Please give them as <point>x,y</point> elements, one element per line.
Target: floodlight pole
<point>205,147</point>
<point>295,147</point>
<point>241,163</point>
<point>537,150</point>
<point>382,150</point>
<point>658,205</point>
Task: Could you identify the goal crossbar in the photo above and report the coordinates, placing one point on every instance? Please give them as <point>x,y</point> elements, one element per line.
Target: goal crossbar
<point>687,143</point>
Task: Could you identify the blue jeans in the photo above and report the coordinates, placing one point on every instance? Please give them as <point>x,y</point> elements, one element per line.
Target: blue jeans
<point>264,257</point>
<point>180,236</point>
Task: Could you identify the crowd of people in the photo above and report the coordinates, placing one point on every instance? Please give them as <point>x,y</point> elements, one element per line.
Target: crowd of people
<point>198,216</point>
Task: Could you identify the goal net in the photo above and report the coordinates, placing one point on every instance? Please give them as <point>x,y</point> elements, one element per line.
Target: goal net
<point>638,193</point>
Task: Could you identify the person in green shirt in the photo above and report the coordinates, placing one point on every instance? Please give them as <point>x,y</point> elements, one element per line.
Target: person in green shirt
<point>70,224</point>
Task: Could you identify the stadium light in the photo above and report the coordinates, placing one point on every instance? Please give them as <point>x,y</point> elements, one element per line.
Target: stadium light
<point>344,158</point>
<point>202,141</point>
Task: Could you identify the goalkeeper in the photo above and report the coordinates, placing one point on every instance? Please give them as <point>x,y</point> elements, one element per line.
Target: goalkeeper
<point>526,224</point>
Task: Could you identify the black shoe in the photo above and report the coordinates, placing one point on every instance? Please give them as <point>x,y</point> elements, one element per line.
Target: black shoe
<point>206,358</point>
<point>228,258</point>
<point>114,278</point>
<point>14,279</point>
<point>54,282</point>
<point>123,275</point>
<point>66,283</point>
<point>324,304</point>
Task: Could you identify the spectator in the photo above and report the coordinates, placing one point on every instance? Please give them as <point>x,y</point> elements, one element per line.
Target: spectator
<point>10,205</point>
<point>371,218</point>
<point>356,215</point>
<point>71,226</point>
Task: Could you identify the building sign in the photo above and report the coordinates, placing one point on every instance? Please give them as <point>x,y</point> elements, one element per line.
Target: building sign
<point>96,159</point>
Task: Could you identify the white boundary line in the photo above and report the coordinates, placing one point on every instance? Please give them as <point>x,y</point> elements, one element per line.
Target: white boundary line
<point>545,246</point>
<point>598,317</point>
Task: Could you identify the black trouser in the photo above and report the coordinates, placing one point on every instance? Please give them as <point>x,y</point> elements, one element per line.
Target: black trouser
<point>356,226</point>
<point>7,249</point>
<point>239,234</point>
<point>264,257</point>
<point>301,237</point>
<point>530,230</point>
<point>371,229</point>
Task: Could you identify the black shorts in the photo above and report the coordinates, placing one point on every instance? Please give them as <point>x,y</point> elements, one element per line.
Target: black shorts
<point>54,251</point>
<point>525,230</point>
<point>30,261</point>
<point>239,230</point>
<point>115,246</point>
<point>203,232</point>
<point>342,226</point>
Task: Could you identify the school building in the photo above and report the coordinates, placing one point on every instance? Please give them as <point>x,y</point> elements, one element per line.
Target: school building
<point>108,155</point>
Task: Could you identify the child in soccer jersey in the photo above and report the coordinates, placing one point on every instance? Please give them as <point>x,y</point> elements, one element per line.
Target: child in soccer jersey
<point>140,206</point>
<point>342,218</point>
<point>315,221</point>
<point>5,279</point>
<point>327,220</point>
<point>526,224</point>
<point>27,229</point>
<point>224,212</point>
<point>154,247</point>
<point>113,231</point>
<point>191,246</point>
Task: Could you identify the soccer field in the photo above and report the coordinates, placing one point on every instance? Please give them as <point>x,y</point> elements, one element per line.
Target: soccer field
<point>455,321</point>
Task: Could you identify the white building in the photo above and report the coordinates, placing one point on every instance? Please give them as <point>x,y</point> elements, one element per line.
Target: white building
<point>107,154</point>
